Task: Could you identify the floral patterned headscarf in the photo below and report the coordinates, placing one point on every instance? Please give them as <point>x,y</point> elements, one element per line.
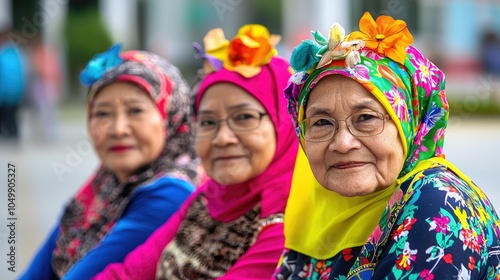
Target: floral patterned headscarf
<point>407,84</point>
<point>101,201</point>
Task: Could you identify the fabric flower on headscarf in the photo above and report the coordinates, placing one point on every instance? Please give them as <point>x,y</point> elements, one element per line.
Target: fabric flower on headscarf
<point>338,47</point>
<point>304,56</point>
<point>386,36</point>
<point>252,47</point>
<point>99,64</point>
<point>311,55</point>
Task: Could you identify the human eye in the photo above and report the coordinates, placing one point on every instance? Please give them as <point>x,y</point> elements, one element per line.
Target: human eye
<point>245,116</point>
<point>100,113</point>
<point>367,123</point>
<point>321,122</point>
<point>365,117</point>
<point>135,110</point>
<point>206,122</point>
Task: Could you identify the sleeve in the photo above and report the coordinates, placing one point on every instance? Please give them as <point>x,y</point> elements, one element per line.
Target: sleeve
<point>261,259</point>
<point>141,262</point>
<point>436,235</point>
<point>148,209</point>
<point>41,265</point>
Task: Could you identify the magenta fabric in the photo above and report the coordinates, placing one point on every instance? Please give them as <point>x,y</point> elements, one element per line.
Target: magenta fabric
<point>225,203</point>
<point>272,187</point>
<point>259,262</point>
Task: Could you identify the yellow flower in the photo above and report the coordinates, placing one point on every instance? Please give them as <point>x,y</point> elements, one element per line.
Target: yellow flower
<point>251,48</point>
<point>386,36</point>
<point>216,44</point>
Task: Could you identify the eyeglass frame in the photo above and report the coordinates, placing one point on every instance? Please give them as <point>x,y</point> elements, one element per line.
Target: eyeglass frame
<point>226,120</point>
<point>382,116</point>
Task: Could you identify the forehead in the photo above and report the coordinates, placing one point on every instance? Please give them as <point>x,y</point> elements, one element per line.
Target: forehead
<point>340,86</point>
<point>224,96</point>
<point>120,92</point>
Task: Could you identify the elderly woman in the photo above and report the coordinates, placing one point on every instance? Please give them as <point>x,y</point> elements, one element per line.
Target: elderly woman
<point>138,121</point>
<point>371,112</point>
<point>232,226</point>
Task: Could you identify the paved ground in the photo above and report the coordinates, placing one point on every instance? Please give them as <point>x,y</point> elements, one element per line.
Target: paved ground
<point>49,173</point>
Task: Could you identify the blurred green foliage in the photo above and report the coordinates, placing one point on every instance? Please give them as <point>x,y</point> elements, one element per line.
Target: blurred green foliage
<point>86,35</point>
<point>473,107</point>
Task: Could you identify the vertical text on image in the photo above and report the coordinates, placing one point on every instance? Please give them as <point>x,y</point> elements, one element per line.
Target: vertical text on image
<point>11,222</point>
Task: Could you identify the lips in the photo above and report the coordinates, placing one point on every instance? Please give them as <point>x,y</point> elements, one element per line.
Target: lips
<point>227,158</point>
<point>348,164</point>
<point>120,148</point>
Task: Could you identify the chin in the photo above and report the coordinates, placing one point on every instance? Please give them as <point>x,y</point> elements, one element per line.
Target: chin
<point>351,191</point>
<point>228,180</point>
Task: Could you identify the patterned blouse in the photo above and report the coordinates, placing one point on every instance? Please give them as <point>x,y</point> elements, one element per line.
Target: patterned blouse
<point>205,248</point>
<point>442,228</point>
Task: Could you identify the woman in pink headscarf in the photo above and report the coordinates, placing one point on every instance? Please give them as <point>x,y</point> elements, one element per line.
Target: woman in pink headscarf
<point>232,226</point>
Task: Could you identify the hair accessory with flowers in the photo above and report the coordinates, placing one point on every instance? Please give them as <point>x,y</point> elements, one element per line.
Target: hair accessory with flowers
<point>251,48</point>
<point>100,64</point>
<point>385,36</point>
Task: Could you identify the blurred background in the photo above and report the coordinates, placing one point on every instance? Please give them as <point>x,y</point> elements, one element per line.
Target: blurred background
<point>42,109</point>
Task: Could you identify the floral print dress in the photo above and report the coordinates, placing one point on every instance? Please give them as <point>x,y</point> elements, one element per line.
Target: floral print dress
<point>440,227</point>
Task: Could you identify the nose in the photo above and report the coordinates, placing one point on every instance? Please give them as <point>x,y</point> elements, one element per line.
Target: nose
<point>120,125</point>
<point>224,135</point>
<point>343,140</point>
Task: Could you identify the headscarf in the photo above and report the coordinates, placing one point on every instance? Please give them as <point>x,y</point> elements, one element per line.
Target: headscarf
<point>263,75</point>
<point>102,200</point>
<point>411,89</point>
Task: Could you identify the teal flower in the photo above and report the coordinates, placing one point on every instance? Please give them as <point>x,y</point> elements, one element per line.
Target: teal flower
<point>100,64</point>
<point>304,56</point>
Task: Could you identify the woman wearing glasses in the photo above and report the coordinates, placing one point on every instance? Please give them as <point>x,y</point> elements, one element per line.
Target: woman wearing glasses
<point>372,111</point>
<point>232,226</point>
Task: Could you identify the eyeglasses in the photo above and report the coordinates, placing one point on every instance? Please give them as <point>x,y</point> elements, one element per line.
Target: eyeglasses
<point>359,124</point>
<point>239,121</point>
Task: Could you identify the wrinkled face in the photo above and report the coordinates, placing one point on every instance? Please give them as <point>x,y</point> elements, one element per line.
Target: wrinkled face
<point>231,157</point>
<point>349,165</point>
<point>126,129</point>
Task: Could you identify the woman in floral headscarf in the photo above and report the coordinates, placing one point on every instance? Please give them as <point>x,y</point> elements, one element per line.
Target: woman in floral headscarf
<point>138,122</point>
<point>371,112</point>
<point>232,226</point>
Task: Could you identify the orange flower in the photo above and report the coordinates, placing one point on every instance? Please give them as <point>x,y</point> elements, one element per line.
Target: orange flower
<point>386,36</point>
<point>251,48</point>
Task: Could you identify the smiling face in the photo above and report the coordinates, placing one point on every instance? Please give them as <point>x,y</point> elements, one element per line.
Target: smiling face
<point>234,157</point>
<point>349,165</point>
<point>126,129</point>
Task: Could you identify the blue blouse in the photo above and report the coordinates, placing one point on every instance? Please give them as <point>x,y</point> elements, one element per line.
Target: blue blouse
<point>150,206</point>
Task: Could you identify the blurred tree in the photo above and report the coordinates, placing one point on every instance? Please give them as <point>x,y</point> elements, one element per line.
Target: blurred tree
<point>85,36</point>
<point>22,12</point>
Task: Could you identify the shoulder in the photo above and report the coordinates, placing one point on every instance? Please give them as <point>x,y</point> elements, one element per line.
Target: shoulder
<point>436,184</point>
<point>439,193</point>
<point>166,182</point>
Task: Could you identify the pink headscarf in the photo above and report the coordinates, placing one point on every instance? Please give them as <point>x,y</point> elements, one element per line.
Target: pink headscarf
<point>271,188</point>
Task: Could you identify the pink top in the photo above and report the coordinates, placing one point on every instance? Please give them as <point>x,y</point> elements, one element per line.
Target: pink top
<point>259,262</point>
<point>227,202</point>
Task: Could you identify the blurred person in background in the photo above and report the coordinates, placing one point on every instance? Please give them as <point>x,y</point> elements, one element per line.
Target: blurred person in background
<point>371,113</point>
<point>138,118</point>
<point>490,52</point>
<point>13,80</point>
<point>45,88</point>
<point>232,226</point>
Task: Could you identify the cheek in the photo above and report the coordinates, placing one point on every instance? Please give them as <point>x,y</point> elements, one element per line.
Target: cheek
<point>314,153</point>
<point>202,149</point>
<point>266,143</point>
<point>96,132</point>
<point>390,158</point>
<point>156,135</point>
